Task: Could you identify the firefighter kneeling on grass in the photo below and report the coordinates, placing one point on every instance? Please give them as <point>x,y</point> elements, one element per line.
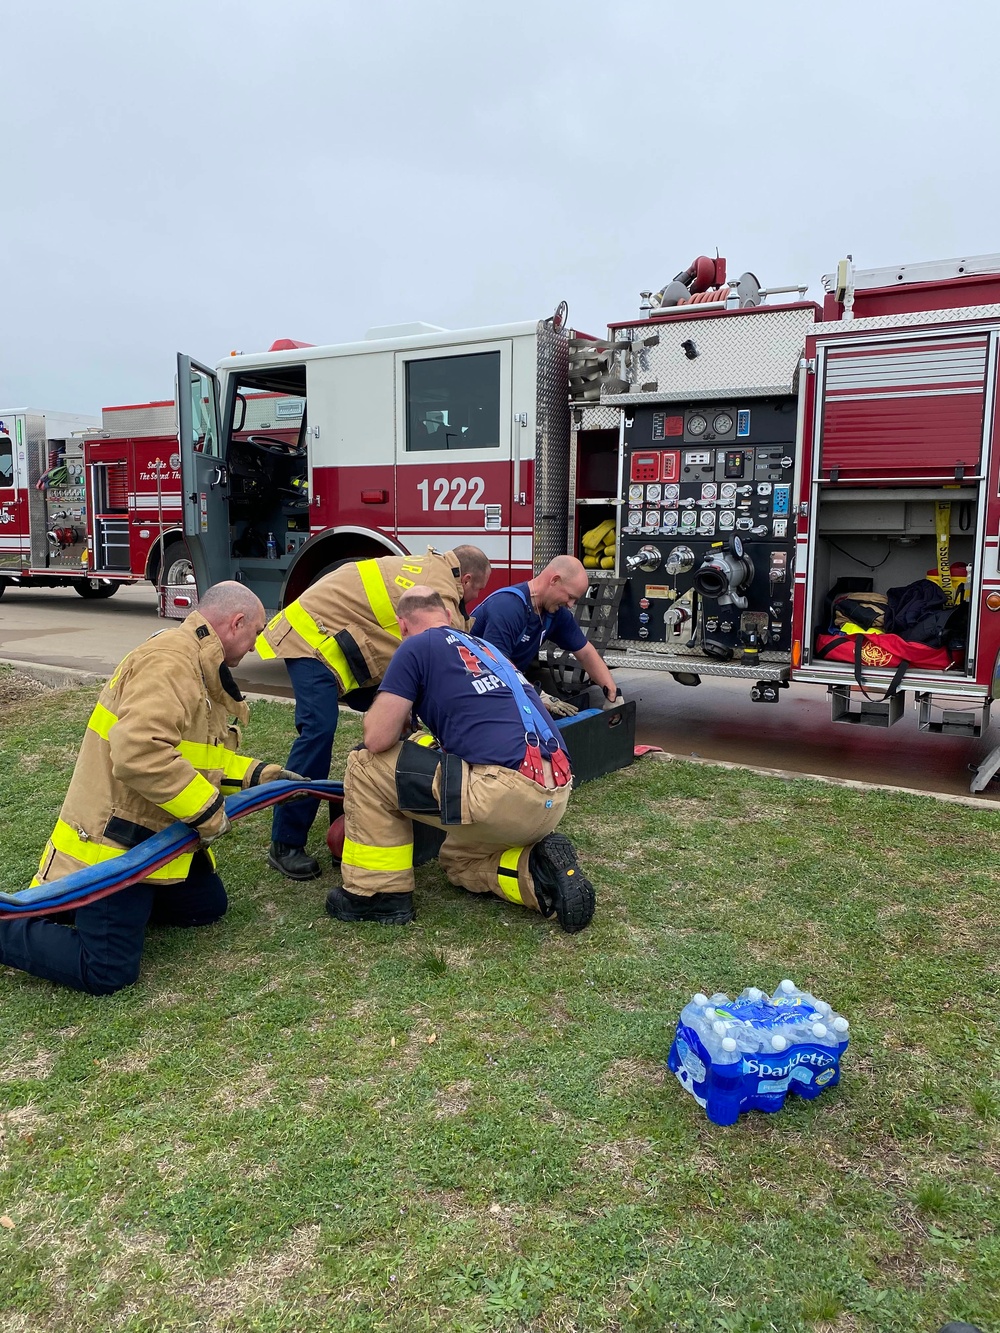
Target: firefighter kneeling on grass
<point>497,787</point>
<point>158,748</point>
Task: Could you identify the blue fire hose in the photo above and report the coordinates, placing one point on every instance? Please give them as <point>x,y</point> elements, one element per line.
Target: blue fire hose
<point>118,872</point>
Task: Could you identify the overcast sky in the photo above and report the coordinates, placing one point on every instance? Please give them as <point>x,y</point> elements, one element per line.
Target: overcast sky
<point>207,176</point>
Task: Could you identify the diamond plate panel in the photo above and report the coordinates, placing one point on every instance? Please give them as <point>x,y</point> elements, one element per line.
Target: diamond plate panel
<point>37,455</point>
<point>908,319</point>
<point>595,418</point>
<point>143,419</point>
<point>551,445</point>
<point>746,353</point>
<point>701,666</point>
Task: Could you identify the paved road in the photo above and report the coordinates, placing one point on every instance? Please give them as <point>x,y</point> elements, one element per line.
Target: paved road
<point>715,721</point>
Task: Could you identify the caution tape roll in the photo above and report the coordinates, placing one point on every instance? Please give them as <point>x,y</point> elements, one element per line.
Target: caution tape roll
<point>93,882</point>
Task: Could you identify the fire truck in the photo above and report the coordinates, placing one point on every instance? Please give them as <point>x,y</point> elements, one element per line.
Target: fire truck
<point>90,504</point>
<point>723,462</point>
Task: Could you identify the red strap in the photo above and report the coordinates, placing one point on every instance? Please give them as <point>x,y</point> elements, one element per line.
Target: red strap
<point>532,766</point>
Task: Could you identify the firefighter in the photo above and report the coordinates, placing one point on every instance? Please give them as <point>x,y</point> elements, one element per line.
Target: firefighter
<point>518,619</point>
<point>339,636</point>
<point>159,747</point>
<point>498,786</point>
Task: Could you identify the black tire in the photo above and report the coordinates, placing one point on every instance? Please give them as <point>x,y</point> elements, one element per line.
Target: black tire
<point>3,587</point>
<point>176,567</point>
<point>104,589</point>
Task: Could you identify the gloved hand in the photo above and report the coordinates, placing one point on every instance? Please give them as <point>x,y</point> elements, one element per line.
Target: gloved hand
<point>271,773</point>
<point>558,707</point>
<point>213,828</point>
<point>610,702</point>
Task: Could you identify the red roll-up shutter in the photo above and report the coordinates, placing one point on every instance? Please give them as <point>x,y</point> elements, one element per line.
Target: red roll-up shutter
<point>905,410</point>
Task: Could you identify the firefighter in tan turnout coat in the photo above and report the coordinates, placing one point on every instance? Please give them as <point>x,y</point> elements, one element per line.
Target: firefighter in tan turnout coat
<point>159,747</point>
<point>340,636</point>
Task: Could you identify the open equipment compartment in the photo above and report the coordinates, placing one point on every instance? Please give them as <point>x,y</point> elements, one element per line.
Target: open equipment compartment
<point>901,430</point>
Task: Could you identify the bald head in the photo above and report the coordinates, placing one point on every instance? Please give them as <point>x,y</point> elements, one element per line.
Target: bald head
<point>562,582</point>
<point>421,608</point>
<point>237,616</point>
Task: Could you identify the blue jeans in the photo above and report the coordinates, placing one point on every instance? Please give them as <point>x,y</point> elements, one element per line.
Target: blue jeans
<point>100,953</point>
<point>317,707</point>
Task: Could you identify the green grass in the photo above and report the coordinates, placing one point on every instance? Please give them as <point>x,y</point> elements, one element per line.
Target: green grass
<point>294,1124</point>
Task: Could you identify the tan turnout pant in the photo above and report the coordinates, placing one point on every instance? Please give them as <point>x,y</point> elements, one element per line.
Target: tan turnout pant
<point>503,815</point>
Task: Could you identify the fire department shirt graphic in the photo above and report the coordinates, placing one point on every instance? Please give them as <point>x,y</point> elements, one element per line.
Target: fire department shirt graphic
<point>467,707</point>
<point>507,619</point>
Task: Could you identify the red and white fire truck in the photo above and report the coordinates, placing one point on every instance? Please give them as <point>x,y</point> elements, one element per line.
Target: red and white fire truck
<point>723,462</point>
<point>87,504</point>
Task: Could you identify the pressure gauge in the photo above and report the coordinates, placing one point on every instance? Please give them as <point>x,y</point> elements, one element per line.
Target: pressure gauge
<point>722,424</point>
<point>697,425</point>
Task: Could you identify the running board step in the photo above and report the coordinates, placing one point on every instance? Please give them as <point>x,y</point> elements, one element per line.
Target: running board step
<point>970,722</point>
<point>871,713</point>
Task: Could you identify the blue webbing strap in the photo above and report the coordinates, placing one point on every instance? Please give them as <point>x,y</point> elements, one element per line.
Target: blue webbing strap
<point>531,718</point>
<point>544,620</point>
<point>94,882</point>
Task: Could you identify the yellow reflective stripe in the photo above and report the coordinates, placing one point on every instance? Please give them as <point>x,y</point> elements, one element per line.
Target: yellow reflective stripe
<point>101,720</point>
<point>264,649</point>
<point>428,739</point>
<point>198,793</point>
<point>508,882</point>
<point>365,857</point>
<point>304,625</point>
<point>236,765</point>
<point>65,839</point>
<point>203,756</point>
<point>378,596</point>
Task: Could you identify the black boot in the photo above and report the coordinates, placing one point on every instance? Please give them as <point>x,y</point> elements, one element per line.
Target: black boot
<point>560,884</point>
<point>386,909</point>
<point>293,862</point>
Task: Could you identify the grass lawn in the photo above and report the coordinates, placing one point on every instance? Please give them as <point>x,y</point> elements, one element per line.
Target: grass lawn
<point>294,1124</point>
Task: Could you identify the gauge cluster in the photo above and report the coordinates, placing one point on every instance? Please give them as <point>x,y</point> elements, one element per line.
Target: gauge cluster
<point>708,525</point>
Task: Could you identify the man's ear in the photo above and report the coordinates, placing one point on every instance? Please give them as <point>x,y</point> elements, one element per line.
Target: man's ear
<point>451,618</point>
<point>404,630</point>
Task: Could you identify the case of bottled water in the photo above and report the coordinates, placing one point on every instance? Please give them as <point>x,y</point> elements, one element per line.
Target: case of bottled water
<point>750,1053</point>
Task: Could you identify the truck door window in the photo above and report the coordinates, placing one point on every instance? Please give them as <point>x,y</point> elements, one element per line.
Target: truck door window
<point>453,402</point>
<point>203,424</point>
<point>6,458</point>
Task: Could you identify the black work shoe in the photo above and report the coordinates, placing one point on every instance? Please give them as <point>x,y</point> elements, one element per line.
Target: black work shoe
<point>293,862</point>
<point>560,884</point>
<point>386,909</point>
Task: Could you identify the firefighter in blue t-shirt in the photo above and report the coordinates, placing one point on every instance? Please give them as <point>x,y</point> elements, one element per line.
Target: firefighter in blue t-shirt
<point>519,619</point>
<point>497,786</point>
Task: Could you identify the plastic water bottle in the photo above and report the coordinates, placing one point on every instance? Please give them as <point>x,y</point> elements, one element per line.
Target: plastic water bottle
<point>694,1009</point>
<point>272,547</point>
<point>725,1084</point>
<point>842,1031</point>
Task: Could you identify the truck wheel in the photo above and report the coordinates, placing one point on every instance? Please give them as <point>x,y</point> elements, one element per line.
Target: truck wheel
<point>3,587</point>
<point>177,567</point>
<point>96,589</point>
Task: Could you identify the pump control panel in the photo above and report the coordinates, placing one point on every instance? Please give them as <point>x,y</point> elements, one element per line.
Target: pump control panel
<point>707,534</point>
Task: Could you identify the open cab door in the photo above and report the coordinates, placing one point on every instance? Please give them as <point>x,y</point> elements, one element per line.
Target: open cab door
<point>204,474</point>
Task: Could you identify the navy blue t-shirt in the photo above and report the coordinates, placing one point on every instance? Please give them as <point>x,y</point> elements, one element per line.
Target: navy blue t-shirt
<point>511,623</point>
<point>468,708</point>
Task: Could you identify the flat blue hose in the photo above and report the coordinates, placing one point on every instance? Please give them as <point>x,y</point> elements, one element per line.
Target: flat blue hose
<point>93,882</point>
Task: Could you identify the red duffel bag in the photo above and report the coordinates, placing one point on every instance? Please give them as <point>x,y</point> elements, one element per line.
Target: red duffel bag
<point>883,652</point>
